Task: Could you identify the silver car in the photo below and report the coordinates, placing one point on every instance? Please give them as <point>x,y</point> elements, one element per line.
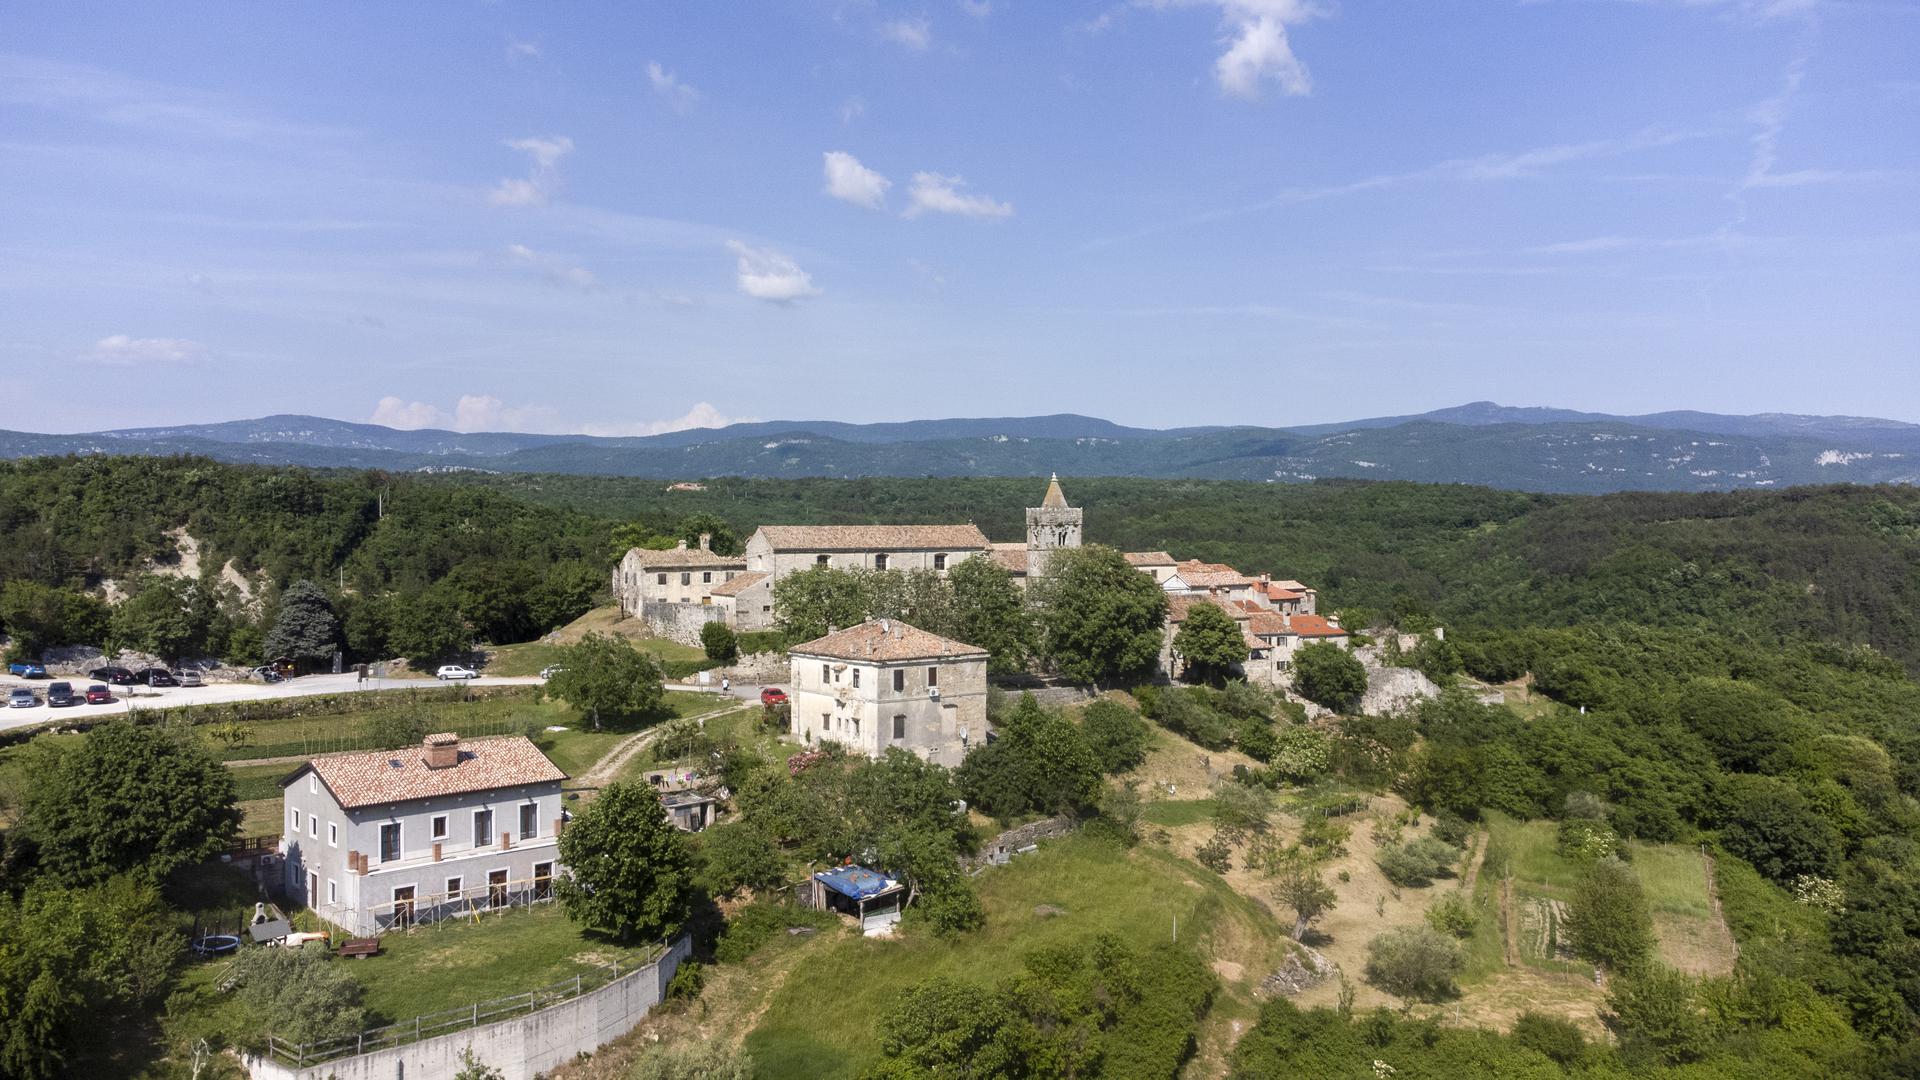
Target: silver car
<point>188,677</point>
<point>22,698</point>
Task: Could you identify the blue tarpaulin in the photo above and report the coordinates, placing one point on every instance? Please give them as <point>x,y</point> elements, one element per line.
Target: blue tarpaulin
<point>856,882</point>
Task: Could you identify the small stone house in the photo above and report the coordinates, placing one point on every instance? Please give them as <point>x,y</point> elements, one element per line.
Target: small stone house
<point>375,840</point>
<point>884,684</point>
<point>746,602</point>
<point>678,575</point>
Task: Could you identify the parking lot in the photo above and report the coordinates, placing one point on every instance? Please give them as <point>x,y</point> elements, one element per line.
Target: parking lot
<point>142,697</point>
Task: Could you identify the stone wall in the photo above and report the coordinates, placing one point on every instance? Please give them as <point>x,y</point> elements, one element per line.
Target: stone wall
<point>758,669</point>
<point>1003,847</point>
<point>679,622</point>
<point>521,1048</point>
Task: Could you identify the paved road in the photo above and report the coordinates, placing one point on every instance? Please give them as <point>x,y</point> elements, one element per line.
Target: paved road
<point>141,697</point>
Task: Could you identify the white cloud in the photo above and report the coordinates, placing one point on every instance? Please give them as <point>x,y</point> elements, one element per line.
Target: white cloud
<point>552,267</point>
<point>678,95</point>
<point>979,9</point>
<point>123,350</point>
<point>543,176</point>
<point>524,50</point>
<point>406,415</point>
<point>703,415</point>
<point>1258,50</point>
<point>850,181</point>
<point>766,274</point>
<point>852,109</point>
<point>473,412</point>
<point>941,194</point>
<point>915,34</point>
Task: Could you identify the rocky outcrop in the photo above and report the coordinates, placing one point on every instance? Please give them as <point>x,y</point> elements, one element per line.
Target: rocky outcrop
<point>1304,970</point>
<point>1391,689</point>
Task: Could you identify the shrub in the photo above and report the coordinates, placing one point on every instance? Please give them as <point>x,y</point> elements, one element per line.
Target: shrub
<point>1300,753</point>
<point>1654,1012</point>
<point>1256,738</point>
<point>1453,915</point>
<point>1608,921</point>
<point>1584,840</point>
<point>1329,676</point>
<point>1116,735</point>
<point>1451,828</point>
<point>719,642</point>
<point>300,994</point>
<point>1417,862</point>
<point>703,1060</point>
<point>1415,964</point>
<point>760,641</point>
<point>1558,1039</point>
<point>1216,854</point>
<point>687,981</point>
<point>755,924</point>
<point>1185,712</point>
<point>1244,701</point>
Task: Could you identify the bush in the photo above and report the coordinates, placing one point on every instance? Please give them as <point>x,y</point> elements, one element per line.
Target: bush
<point>1584,840</point>
<point>1415,964</point>
<point>755,924</point>
<point>1417,862</point>
<point>1451,828</point>
<point>721,646</point>
<point>1329,676</point>
<point>688,980</point>
<point>1453,915</point>
<point>1185,712</point>
<point>1558,1039</point>
<point>299,994</point>
<point>1608,921</point>
<point>760,641</point>
<point>1116,735</point>
<point>703,1060</point>
<point>1216,854</point>
<point>1301,754</point>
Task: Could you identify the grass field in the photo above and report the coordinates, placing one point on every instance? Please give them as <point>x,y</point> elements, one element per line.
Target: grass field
<point>527,658</point>
<point>820,1024</point>
<point>1674,877</point>
<point>1173,813</point>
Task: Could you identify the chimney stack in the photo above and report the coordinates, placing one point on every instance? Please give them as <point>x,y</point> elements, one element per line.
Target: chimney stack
<point>681,546</point>
<point>443,750</point>
<point>706,541</point>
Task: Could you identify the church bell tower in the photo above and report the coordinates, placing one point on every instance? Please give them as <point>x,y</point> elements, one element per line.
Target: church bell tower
<point>1051,526</point>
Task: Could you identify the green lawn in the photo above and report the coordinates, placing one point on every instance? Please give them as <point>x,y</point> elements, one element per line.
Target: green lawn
<point>1173,813</point>
<point>1674,877</point>
<point>1526,850</point>
<point>820,1023</point>
<point>528,658</point>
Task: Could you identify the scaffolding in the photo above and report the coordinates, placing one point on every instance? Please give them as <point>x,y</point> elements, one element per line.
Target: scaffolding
<point>468,903</point>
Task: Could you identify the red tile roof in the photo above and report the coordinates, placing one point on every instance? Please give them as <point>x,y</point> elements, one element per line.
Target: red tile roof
<point>1149,558</point>
<point>1011,556</point>
<point>886,640</point>
<point>1201,575</point>
<point>740,583</point>
<point>1316,626</point>
<point>1178,606</point>
<point>371,778</point>
<point>874,537</point>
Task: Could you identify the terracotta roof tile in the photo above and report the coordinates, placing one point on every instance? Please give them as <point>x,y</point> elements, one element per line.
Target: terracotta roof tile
<point>874,537</point>
<point>1011,556</point>
<point>739,583</point>
<point>1316,626</point>
<point>1274,624</point>
<point>371,778</point>
<point>677,558</point>
<point>1178,606</point>
<point>887,640</point>
<point>1149,558</point>
<point>1201,575</point>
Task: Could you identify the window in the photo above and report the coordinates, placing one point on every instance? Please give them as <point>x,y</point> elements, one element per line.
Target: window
<point>313,826</point>
<point>439,826</point>
<point>333,834</point>
<point>296,823</point>
<point>826,723</point>
<point>333,891</point>
<point>496,888</point>
<point>826,674</point>
<point>940,561</point>
<point>933,676</point>
<point>390,842</point>
<point>900,726</point>
<point>529,820</point>
<point>482,828</point>
<point>856,678</point>
<point>403,906</point>
<point>313,784</point>
<point>706,577</point>
<point>819,560</point>
<point>899,680</point>
<point>659,579</point>
<point>313,887</point>
<point>853,724</point>
<point>880,561</point>
<point>543,881</point>
<point>453,888</point>
<point>686,577</point>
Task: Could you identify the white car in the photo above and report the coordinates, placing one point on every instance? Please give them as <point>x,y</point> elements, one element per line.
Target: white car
<point>550,671</point>
<point>455,671</point>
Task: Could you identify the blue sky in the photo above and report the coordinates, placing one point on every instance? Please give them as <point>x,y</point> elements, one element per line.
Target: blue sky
<point>621,218</point>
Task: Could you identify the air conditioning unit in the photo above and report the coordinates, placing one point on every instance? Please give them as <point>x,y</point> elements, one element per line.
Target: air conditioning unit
<point>933,692</point>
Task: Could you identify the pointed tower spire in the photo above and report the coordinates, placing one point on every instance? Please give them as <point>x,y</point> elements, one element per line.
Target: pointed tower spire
<point>1055,500</point>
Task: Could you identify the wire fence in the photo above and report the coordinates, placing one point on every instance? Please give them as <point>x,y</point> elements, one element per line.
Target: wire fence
<point>429,1025</point>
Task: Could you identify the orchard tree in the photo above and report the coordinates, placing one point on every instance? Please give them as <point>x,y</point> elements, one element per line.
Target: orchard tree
<point>628,869</point>
<point>1415,964</point>
<point>1608,921</point>
<point>1301,889</point>
<point>128,797</point>
<point>1329,675</point>
<point>606,675</point>
<point>1100,618</point>
<point>305,629</point>
<point>1210,642</point>
<point>807,603</point>
<point>989,611</point>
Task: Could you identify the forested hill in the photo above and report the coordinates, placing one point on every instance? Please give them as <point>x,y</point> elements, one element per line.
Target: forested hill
<point>512,553</point>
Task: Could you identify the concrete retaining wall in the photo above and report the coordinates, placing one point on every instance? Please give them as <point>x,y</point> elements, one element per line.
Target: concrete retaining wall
<point>521,1048</point>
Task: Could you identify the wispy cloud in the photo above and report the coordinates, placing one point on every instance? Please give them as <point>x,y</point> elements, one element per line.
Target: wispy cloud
<point>850,181</point>
<point>124,350</point>
<point>979,9</point>
<point>936,193</point>
<point>524,50</point>
<point>543,177</point>
<point>702,415</point>
<point>766,274</point>
<point>680,97</point>
<point>852,109</point>
<point>1258,51</point>
<point>111,98</point>
<point>484,412</point>
<point>915,34</point>
<point>554,269</point>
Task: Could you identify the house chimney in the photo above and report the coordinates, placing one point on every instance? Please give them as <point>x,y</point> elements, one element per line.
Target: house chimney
<point>443,750</point>
<point>1333,621</point>
<point>1286,620</point>
<point>706,541</point>
<point>1266,579</point>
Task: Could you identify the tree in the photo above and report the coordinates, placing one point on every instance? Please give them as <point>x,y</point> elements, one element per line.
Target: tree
<point>1100,618</point>
<point>919,597</point>
<point>1040,762</point>
<point>1116,735</point>
<point>606,675</point>
<point>628,871</point>
<point>305,629</point>
<point>989,611</point>
<point>1608,921</point>
<point>128,797</point>
<point>807,603</point>
<point>636,534</point>
<point>1653,1009</point>
<point>721,537</point>
<point>164,617</point>
<point>40,617</point>
<point>397,729</point>
<point>300,994</point>
<point>949,1028</point>
<point>473,1068</point>
<point>1329,676</point>
<point>1414,963</point>
<point>736,855</point>
<point>1301,889</point>
<point>719,642</point>
<point>1772,825</point>
<point>427,626</point>
<point>1210,642</point>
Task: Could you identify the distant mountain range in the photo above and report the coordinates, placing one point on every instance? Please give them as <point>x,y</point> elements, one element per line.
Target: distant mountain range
<point>1534,449</point>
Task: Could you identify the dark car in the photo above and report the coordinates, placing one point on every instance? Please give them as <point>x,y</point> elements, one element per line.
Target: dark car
<point>98,694</point>
<point>118,676</point>
<point>60,695</point>
<point>155,676</point>
<point>27,669</point>
<point>773,695</point>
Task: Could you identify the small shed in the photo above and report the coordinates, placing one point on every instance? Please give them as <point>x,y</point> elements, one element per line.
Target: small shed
<point>869,896</point>
<point>690,811</point>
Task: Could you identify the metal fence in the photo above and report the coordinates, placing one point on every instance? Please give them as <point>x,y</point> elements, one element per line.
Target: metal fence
<point>301,1055</point>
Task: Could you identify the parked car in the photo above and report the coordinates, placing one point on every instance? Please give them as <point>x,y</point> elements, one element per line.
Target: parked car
<point>189,677</point>
<point>155,676</point>
<point>118,676</point>
<point>98,694</point>
<point>773,695</point>
<point>267,673</point>
<point>551,670</point>
<point>27,669</point>
<point>22,698</point>
<point>455,671</point>
<point>60,695</point>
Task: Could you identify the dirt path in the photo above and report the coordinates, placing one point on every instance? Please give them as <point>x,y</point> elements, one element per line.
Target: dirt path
<point>1476,857</point>
<point>1509,930</point>
<point>614,760</point>
<point>1713,904</point>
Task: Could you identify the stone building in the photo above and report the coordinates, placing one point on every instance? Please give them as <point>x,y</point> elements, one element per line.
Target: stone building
<point>1051,527</point>
<point>678,575</point>
<point>779,550</point>
<point>746,602</point>
<point>886,683</point>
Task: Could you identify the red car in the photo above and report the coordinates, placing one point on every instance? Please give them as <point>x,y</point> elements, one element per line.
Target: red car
<point>99,695</point>
<point>773,695</point>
